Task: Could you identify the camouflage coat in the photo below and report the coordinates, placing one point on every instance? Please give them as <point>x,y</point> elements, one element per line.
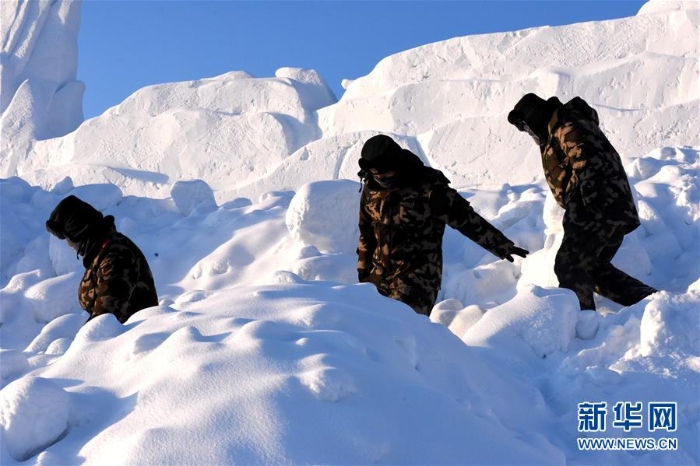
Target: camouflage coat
<point>117,279</point>
<point>584,171</point>
<point>401,229</point>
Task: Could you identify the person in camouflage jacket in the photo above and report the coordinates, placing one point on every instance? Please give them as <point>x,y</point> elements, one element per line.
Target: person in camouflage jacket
<point>587,179</point>
<point>117,277</point>
<point>403,212</point>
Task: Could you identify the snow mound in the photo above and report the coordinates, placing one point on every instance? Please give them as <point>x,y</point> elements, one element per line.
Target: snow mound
<point>304,352</point>
<point>452,314</point>
<point>324,214</point>
<point>235,128</point>
<point>53,297</point>
<point>544,319</point>
<point>666,324</point>
<point>34,413</point>
<point>191,195</point>
<point>453,96</point>
<point>60,328</point>
<point>14,364</point>
<point>663,6</point>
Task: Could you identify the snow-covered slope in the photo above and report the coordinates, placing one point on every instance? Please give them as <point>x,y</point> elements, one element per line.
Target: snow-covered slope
<point>454,95</point>
<point>447,101</point>
<point>264,348</point>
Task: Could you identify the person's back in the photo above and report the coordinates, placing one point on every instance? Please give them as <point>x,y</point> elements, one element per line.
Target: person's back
<point>598,183</point>
<point>117,277</point>
<point>117,280</point>
<point>587,179</point>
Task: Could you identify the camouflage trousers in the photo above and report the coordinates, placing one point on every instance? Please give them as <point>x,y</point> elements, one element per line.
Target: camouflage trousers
<point>420,297</point>
<point>583,265</point>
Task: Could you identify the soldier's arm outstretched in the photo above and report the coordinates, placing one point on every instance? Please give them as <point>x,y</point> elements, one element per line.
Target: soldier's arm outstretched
<point>447,204</point>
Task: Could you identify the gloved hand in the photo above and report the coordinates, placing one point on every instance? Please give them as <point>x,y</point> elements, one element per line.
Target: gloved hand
<point>514,250</point>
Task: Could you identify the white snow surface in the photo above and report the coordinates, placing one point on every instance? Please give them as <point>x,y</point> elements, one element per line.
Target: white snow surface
<point>264,349</point>
<point>40,97</point>
<point>447,101</point>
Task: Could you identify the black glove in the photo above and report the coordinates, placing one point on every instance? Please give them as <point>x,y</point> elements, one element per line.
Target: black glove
<point>514,250</point>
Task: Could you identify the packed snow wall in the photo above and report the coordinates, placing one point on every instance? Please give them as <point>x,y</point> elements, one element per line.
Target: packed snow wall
<point>446,101</point>
<point>40,97</point>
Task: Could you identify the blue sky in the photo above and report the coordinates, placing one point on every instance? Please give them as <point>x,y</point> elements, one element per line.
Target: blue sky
<point>126,45</point>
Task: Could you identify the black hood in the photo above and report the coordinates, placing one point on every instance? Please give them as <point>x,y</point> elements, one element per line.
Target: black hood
<point>81,224</point>
<point>535,112</point>
<point>384,154</point>
<point>381,153</point>
<point>73,219</point>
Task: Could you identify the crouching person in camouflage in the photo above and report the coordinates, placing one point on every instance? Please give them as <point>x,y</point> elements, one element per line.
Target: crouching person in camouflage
<point>586,177</point>
<point>403,211</point>
<point>117,277</point>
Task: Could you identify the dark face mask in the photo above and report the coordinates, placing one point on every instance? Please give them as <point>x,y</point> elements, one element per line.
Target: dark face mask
<point>388,182</point>
<point>533,136</point>
<point>73,245</point>
<point>522,126</point>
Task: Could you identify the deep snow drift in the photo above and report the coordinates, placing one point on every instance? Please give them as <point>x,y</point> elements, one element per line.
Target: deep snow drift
<point>264,349</point>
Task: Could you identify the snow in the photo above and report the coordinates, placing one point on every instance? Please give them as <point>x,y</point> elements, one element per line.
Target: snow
<point>41,97</point>
<point>318,215</point>
<point>660,6</point>
<point>242,193</point>
<point>545,320</point>
<point>446,101</point>
<point>34,413</point>
<point>191,195</point>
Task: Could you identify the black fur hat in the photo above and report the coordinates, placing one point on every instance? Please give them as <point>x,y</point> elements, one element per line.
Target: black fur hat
<point>533,111</point>
<point>381,153</point>
<point>72,219</point>
<point>528,109</point>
